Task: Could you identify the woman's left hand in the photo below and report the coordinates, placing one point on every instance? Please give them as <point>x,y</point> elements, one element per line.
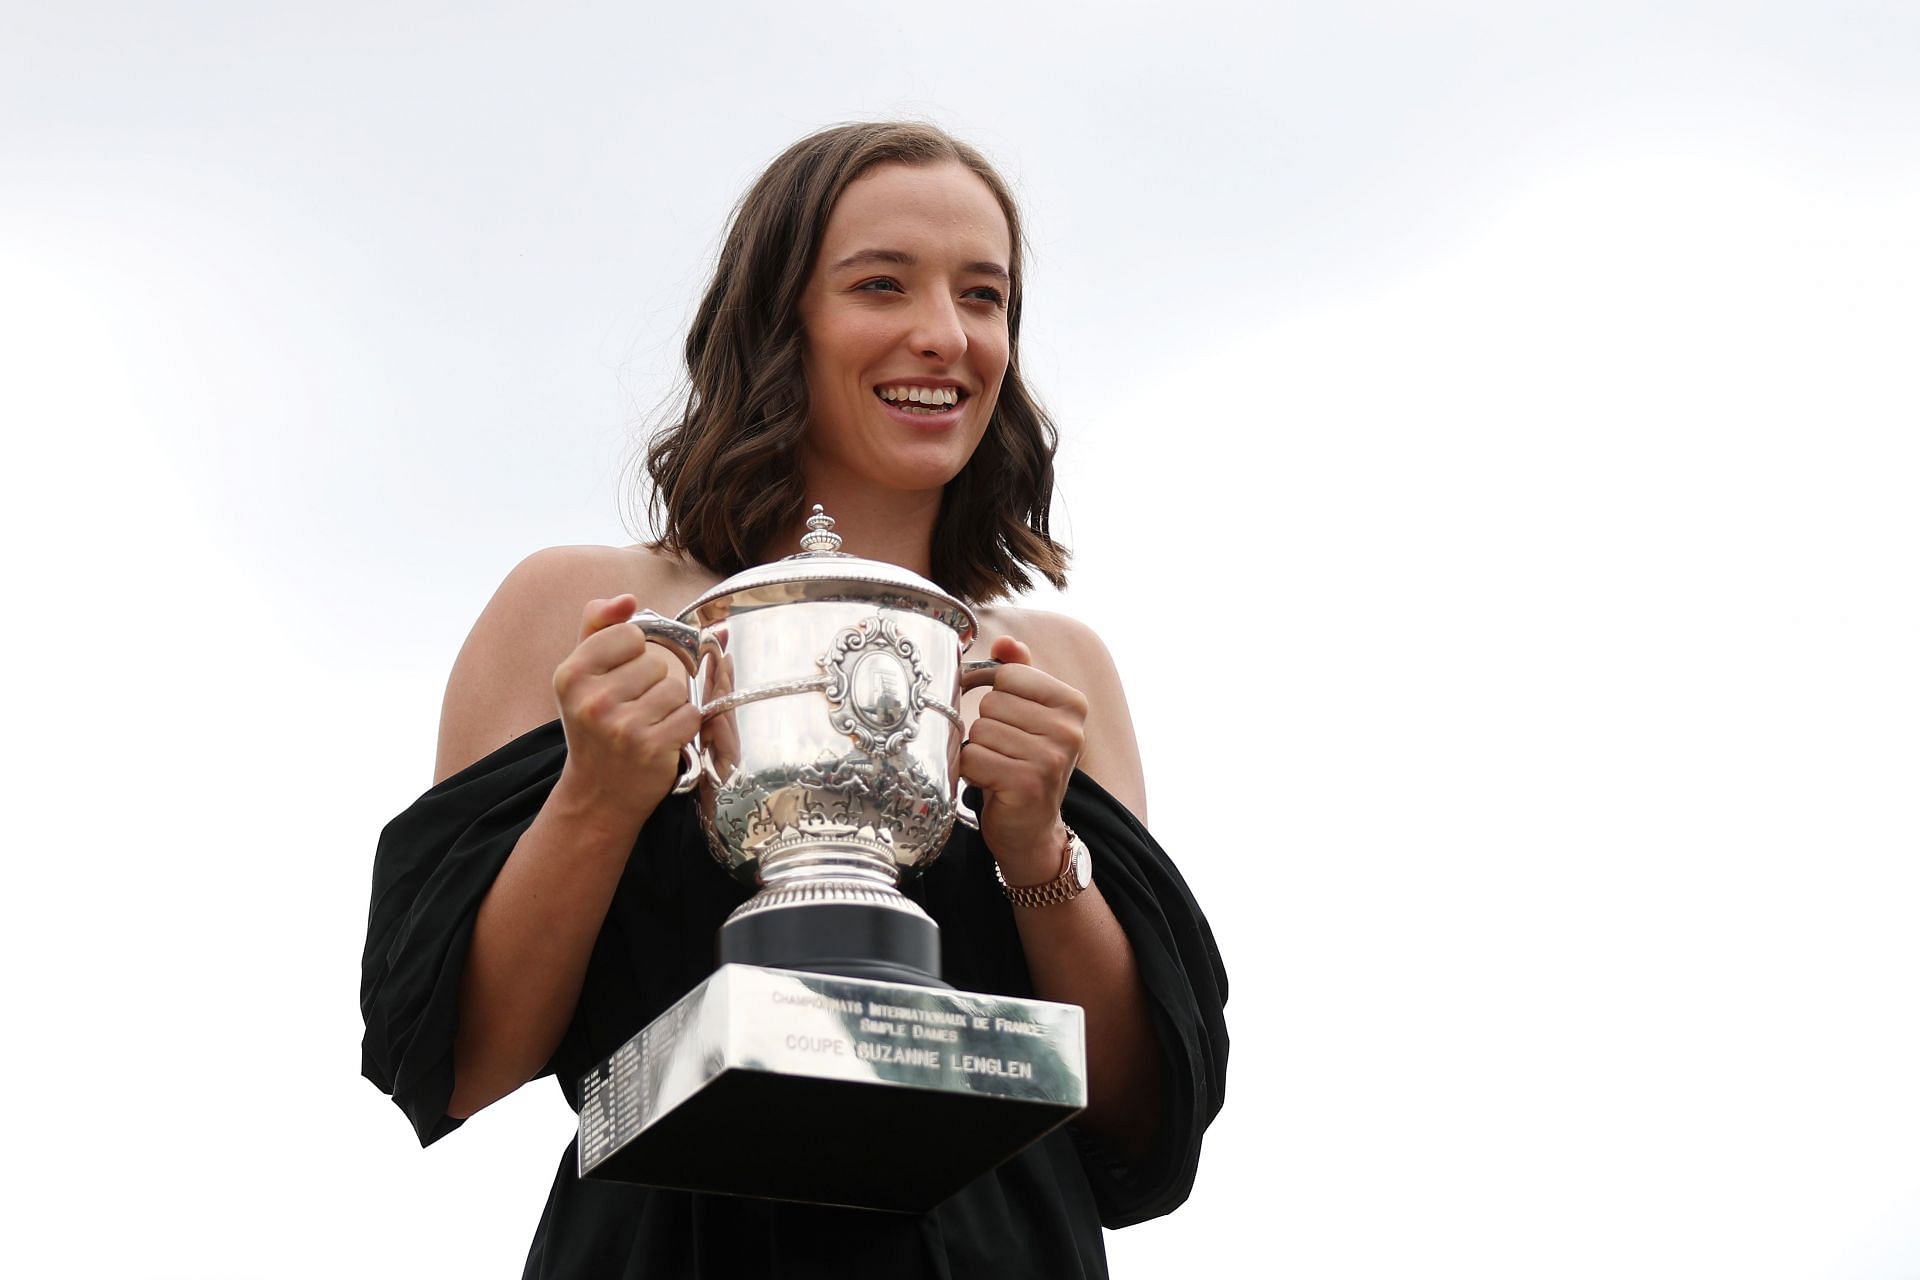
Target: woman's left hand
<point>1021,751</point>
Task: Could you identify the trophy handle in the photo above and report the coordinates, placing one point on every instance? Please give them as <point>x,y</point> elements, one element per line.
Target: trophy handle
<point>684,642</point>
<point>690,776</point>
<point>973,675</point>
<point>677,636</point>
<point>976,672</point>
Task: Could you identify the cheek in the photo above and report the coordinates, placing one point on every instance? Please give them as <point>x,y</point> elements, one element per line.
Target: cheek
<point>855,341</point>
<point>838,347</point>
<point>828,368</point>
<point>994,356</point>
<point>810,375</point>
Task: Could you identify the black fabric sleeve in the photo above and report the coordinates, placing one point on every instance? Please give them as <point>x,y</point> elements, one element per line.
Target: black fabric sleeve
<point>433,866</point>
<point>1186,987</point>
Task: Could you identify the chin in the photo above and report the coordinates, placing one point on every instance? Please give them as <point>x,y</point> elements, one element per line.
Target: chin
<point>901,466</point>
<point>917,480</point>
<point>920,470</point>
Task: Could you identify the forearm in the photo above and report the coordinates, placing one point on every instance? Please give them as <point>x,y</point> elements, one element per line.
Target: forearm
<point>532,939</point>
<point>1077,953</point>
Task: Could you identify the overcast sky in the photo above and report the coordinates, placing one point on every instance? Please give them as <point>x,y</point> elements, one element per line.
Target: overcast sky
<point>1488,450</point>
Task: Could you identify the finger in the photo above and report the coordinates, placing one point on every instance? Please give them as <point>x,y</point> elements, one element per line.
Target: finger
<point>662,697</point>
<point>683,723</point>
<point>657,709</point>
<point>1007,649</point>
<point>601,614</point>
<point>610,647</point>
<point>635,697</point>
<point>609,669</point>
<point>1035,685</point>
<point>1007,778</point>
<point>639,674</point>
<point>1022,713</point>
<point>1006,741</point>
<point>986,768</point>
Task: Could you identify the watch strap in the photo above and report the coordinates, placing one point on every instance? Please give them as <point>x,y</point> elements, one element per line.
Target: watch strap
<point>1064,887</point>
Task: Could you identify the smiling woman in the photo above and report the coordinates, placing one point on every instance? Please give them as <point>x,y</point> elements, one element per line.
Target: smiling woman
<point>867,262</point>
<point>858,347</point>
<point>910,336</point>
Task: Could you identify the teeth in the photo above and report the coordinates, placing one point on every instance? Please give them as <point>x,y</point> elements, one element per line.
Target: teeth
<point>935,396</point>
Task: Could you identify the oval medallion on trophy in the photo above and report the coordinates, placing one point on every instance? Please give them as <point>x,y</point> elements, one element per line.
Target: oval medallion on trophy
<point>877,691</point>
<point>874,685</point>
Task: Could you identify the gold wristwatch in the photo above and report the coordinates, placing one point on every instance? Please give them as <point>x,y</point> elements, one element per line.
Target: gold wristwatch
<point>1075,875</point>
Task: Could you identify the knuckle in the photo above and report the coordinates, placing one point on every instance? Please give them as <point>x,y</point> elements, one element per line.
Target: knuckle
<point>616,646</point>
<point>622,735</point>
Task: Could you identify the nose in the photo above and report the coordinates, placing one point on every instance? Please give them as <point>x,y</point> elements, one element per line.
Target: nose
<point>937,332</point>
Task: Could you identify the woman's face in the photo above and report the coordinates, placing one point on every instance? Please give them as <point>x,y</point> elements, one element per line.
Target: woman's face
<point>905,317</point>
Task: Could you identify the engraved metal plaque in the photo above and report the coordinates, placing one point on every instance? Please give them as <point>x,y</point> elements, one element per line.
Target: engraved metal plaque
<point>799,1086</point>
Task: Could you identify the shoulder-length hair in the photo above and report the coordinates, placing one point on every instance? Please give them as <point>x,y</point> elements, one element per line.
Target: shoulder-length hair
<point>725,479</point>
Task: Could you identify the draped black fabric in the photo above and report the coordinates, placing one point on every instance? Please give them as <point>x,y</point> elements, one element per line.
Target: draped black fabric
<point>1037,1215</point>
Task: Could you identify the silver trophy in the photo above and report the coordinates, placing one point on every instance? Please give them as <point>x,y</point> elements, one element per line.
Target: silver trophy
<point>826,767</point>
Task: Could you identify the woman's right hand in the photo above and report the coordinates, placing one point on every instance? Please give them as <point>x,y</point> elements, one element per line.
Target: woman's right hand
<point>625,709</point>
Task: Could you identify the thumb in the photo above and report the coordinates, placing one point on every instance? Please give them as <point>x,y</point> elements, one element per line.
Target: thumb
<point>601,614</point>
<point>1007,649</point>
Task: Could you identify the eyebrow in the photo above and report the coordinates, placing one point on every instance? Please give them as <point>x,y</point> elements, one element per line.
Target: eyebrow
<point>900,258</point>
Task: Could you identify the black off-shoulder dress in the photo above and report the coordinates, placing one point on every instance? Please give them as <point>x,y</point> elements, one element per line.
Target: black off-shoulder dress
<point>1037,1215</point>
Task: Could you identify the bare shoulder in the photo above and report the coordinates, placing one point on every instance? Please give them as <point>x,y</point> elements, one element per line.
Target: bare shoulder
<point>1063,645</point>
<point>1070,650</point>
<point>502,681</point>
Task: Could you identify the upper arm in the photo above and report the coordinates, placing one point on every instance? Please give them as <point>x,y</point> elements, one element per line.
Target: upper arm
<point>502,682</point>
<point>1111,754</point>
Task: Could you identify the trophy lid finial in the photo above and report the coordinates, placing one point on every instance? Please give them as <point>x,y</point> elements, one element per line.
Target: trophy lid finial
<point>820,539</point>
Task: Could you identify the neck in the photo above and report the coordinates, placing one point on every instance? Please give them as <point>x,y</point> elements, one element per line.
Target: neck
<point>880,524</point>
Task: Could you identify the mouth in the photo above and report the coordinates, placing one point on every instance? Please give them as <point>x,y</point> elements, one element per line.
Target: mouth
<point>918,400</point>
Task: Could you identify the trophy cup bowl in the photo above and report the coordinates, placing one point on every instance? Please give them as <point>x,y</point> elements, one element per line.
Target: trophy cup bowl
<point>826,768</point>
<point>826,762</point>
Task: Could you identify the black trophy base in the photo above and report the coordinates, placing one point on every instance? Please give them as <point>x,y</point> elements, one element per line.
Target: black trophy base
<point>830,1090</point>
<point>844,939</point>
<point>856,1145</point>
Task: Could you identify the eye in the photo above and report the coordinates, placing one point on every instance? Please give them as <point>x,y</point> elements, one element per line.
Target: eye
<point>879,284</point>
<point>987,293</point>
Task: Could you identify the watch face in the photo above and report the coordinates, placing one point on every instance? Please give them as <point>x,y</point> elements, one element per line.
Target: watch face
<point>1082,865</point>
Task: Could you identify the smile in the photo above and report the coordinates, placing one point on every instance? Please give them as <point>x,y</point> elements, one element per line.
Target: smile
<point>919,401</point>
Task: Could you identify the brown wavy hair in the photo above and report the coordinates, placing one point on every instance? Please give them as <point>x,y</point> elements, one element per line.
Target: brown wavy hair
<point>725,480</point>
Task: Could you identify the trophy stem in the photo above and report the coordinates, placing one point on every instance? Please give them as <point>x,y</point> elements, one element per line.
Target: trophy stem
<point>825,861</point>
<point>834,908</point>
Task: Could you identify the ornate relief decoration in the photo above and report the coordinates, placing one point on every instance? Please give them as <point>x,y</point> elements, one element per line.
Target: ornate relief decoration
<point>853,797</point>
<point>875,686</point>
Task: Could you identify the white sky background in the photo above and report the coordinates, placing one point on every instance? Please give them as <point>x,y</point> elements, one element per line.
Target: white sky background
<point>1488,446</point>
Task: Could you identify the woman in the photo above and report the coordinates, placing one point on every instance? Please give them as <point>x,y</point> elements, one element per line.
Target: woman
<point>857,347</point>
